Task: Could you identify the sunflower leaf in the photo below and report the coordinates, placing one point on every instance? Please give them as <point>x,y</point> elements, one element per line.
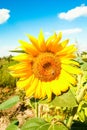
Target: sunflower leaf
<point>58,127</point>
<point>65,100</point>
<point>35,124</point>
<point>12,127</point>
<point>9,103</point>
<point>84,67</point>
<point>40,124</point>
<point>18,51</point>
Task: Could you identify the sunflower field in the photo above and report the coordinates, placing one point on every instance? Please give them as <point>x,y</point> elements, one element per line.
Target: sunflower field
<point>44,87</point>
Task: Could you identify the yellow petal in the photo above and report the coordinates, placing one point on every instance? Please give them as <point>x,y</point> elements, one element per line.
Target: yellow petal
<point>38,92</point>
<point>23,84</point>
<point>67,50</point>
<point>32,88</point>
<point>64,43</point>
<point>55,88</point>
<point>29,48</point>
<point>21,70</point>
<point>34,41</point>
<point>59,36</point>
<point>71,69</point>
<point>41,41</point>
<point>50,40</point>
<point>67,56</point>
<point>22,57</point>
<point>69,78</point>
<point>18,74</point>
<point>48,90</point>
<point>62,84</point>
<point>67,61</point>
<point>43,88</point>
<point>53,41</point>
<point>54,47</point>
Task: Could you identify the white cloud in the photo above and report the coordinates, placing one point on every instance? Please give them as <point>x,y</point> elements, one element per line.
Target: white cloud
<point>4,15</point>
<point>82,48</point>
<point>66,31</point>
<point>74,13</point>
<point>47,33</point>
<point>70,31</point>
<point>5,50</point>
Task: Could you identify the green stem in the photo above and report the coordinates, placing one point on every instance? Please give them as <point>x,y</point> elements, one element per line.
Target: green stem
<point>81,94</point>
<point>79,84</point>
<point>36,109</point>
<point>74,111</point>
<point>70,122</point>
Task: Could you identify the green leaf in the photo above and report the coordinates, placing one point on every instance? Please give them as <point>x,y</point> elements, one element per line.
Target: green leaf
<point>84,77</point>
<point>17,51</point>
<point>15,122</point>
<point>84,67</point>
<point>81,115</point>
<point>85,110</point>
<point>58,127</point>
<point>35,124</point>
<point>40,124</point>
<point>65,100</point>
<point>79,59</point>
<point>82,105</point>
<point>82,111</point>
<point>9,103</point>
<point>12,127</point>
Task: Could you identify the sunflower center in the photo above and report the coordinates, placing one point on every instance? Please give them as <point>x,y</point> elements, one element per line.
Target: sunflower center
<point>46,67</point>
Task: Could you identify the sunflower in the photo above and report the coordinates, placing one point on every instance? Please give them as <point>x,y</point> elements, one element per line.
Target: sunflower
<point>45,67</point>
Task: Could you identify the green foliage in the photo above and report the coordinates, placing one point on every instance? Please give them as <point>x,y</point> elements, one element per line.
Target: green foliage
<point>35,124</point>
<point>84,66</point>
<point>9,103</point>
<point>65,100</point>
<point>5,78</point>
<point>58,127</point>
<point>13,126</point>
<point>82,111</point>
<point>40,124</point>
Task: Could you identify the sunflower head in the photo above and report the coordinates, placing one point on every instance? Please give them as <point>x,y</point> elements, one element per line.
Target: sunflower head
<point>45,66</point>
<point>48,67</point>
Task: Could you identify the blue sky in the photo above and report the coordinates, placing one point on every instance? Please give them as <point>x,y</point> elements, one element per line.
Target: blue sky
<point>19,17</point>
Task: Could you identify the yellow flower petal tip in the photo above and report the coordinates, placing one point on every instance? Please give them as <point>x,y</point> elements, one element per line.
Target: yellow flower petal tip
<point>46,66</point>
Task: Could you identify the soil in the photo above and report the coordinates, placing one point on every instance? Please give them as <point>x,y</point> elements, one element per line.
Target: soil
<point>20,111</point>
